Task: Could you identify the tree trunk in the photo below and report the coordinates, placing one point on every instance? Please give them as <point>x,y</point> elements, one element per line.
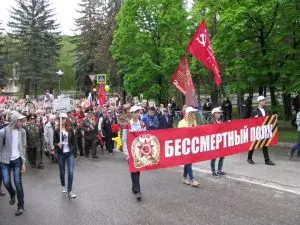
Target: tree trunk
<point>273,96</point>
<point>240,102</point>
<point>35,90</point>
<point>265,91</point>
<point>260,91</point>
<point>250,94</point>
<point>214,96</point>
<point>26,87</point>
<point>287,105</point>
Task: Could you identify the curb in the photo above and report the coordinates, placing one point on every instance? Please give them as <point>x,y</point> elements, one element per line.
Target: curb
<point>284,145</point>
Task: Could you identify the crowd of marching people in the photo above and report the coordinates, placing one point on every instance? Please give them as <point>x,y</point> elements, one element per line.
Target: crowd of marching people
<point>37,136</point>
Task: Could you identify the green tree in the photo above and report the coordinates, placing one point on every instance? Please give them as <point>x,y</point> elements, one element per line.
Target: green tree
<point>36,42</point>
<point>96,26</point>
<point>89,25</point>
<point>66,62</point>
<point>149,41</point>
<point>3,60</point>
<point>288,53</point>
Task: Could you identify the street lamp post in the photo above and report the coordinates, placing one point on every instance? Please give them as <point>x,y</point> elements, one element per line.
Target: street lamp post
<point>59,74</point>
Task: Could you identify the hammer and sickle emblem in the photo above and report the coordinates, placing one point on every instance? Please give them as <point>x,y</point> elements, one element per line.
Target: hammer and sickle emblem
<point>202,39</point>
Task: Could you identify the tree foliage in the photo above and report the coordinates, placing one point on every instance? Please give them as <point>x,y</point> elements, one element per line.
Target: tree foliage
<point>35,40</point>
<point>256,43</point>
<point>149,40</point>
<point>96,26</point>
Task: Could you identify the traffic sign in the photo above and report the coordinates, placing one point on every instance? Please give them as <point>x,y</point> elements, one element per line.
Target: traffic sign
<point>101,78</point>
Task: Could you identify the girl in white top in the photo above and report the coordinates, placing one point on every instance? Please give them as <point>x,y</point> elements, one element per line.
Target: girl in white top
<point>135,124</point>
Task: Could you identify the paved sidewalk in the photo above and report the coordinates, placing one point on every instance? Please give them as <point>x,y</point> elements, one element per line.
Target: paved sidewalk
<point>283,176</point>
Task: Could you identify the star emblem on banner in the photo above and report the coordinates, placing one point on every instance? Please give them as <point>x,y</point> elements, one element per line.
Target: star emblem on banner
<point>145,150</point>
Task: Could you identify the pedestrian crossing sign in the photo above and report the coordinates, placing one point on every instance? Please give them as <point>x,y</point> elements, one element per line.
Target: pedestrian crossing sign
<point>101,78</point>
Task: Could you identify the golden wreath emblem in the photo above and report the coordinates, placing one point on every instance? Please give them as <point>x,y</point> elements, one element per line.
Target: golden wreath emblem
<point>145,150</point>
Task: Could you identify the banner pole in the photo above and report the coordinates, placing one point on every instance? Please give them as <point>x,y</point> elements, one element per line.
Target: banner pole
<point>60,129</point>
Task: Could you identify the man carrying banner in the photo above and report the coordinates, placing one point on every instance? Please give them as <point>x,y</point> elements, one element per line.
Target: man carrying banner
<point>189,121</point>
<point>261,111</point>
<point>135,124</point>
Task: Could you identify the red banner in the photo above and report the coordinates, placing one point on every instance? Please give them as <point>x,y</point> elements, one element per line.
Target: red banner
<point>101,95</point>
<point>149,150</point>
<point>179,77</point>
<point>200,48</point>
<point>183,81</point>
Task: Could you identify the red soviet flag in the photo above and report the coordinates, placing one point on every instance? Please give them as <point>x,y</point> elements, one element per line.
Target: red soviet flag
<point>190,98</point>
<point>200,48</point>
<point>101,95</point>
<point>178,78</point>
<point>183,81</point>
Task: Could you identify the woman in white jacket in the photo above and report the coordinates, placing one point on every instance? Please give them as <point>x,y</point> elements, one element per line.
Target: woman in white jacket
<point>135,124</point>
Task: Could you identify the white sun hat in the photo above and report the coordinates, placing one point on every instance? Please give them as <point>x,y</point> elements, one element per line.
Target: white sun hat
<point>216,110</point>
<point>135,108</point>
<point>190,109</point>
<point>261,98</point>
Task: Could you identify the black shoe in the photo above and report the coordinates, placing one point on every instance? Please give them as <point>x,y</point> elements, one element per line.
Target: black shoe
<point>40,166</point>
<point>138,196</point>
<point>81,154</point>
<point>250,161</point>
<point>221,173</point>
<point>12,200</point>
<point>47,154</point>
<point>214,174</point>
<point>95,157</point>
<point>270,163</point>
<point>20,211</point>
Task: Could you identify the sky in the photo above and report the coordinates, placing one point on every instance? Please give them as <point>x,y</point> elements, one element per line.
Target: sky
<point>65,11</point>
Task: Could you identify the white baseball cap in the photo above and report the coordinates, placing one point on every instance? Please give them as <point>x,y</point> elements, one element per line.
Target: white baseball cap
<point>260,98</point>
<point>216,110</point>
<point>135,108</point>
<point>63,115</point>
<point>190,109</point>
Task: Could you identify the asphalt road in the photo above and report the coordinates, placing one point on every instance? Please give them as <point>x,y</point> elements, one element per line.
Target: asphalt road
<point>104,197</point>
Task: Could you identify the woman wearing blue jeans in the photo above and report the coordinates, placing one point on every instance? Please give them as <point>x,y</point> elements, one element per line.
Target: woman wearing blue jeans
<point>189,120</point>
<point>66,150</point>
<point>297,145</point>
<point>216,118</point>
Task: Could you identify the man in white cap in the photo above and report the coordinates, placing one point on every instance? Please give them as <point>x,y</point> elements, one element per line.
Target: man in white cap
<point>260,111</point>
<point>12,158</point>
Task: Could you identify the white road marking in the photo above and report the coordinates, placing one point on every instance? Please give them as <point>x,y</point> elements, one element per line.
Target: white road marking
<point>255,181</point>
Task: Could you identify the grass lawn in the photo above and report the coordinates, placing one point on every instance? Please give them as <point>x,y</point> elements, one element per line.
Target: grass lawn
<point>287,136</point>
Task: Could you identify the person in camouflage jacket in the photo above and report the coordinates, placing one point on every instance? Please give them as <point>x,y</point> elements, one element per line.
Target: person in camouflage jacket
<point>90,135</point>
<point>33,142</point>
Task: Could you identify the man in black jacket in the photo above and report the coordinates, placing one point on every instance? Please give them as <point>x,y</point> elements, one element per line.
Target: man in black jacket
<point>261,111</point>
<point>227,109</point>
<point>107,131</point>
<point>165,120</point>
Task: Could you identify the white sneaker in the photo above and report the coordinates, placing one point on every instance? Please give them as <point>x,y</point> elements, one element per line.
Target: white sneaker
<point>64,190</point>
<point>195,183</point>
<point>186,181</point>
<point>71,195</point>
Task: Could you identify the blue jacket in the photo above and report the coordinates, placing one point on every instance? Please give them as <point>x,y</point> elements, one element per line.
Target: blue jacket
<point>151,123</point>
